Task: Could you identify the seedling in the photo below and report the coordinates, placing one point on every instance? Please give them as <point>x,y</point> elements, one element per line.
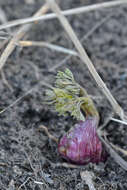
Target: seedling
<point>80,144</point>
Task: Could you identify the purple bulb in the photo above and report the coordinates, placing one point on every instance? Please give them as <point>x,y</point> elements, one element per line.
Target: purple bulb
<point>81,144</point>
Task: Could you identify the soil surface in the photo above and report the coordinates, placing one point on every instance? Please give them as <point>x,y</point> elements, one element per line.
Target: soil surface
<point>28,158</point>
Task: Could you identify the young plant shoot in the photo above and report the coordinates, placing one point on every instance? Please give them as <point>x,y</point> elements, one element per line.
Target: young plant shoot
<point>80,144</point>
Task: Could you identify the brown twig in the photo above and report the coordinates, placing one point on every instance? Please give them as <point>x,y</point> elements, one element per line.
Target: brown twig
<point>45,129</point>
<point>20,34</point>
<point>64,165</point>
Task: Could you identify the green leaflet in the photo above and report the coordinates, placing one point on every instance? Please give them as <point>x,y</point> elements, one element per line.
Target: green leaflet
<point>65,80</point>
<point>65,95</point>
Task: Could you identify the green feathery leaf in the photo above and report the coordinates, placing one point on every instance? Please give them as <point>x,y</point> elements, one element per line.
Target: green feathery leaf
<point>65,95</point>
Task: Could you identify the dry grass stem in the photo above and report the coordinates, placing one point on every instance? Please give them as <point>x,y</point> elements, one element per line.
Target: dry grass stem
<point>21,32</point>
<point>118,121</point>
<point>48,45</point>
<point>66,13</point>
<point>84,57</point>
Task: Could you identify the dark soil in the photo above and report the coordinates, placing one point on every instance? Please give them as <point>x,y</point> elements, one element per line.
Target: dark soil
<point>27,157</point>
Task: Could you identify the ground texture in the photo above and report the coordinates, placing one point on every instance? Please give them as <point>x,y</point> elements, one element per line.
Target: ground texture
<point>28,159</point>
